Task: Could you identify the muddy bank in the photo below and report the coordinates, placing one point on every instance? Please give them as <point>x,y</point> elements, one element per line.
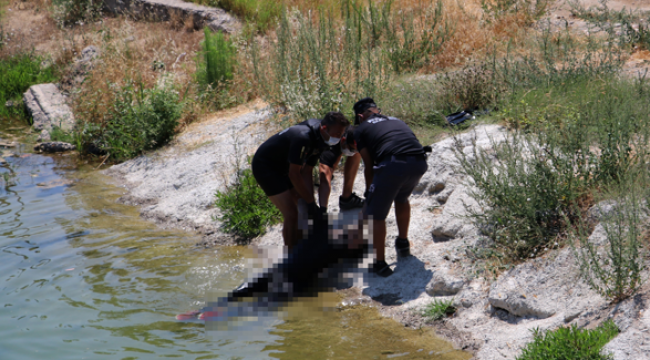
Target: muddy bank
<point>175,187</point>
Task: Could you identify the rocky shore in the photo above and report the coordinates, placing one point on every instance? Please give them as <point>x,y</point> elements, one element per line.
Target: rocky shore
<point>175,187</point>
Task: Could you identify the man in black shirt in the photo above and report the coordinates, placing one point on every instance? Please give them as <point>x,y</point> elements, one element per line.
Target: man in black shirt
<point>283,167</point>
<point>394,164</point>
<point>329,160</point>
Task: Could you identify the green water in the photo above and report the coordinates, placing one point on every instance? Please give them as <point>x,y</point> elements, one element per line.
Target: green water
<point>82,277</point>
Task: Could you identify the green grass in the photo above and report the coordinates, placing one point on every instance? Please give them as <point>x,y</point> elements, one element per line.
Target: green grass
<point>438,309</point>
<point>17,74</point>
<point>570,343</point>
<point>246,210</point>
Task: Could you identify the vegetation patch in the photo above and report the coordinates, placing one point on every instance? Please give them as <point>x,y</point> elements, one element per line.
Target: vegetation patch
<point>17,74</point>
<point>246,210</point>
<point>570,343</point>
<point>439,309</point>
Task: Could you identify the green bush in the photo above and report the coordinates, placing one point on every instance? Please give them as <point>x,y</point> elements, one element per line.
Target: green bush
<point>141,119</point>
<point>216,60</point>
<point>70,12</point>
<point>570,343</point>
<point>246,210</point>
<point>17,74</point>
<point>438,309</point>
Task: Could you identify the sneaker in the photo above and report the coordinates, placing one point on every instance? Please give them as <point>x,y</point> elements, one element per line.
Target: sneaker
<point>402,247</point>
<point>353,202</point>
<point>381,268</point>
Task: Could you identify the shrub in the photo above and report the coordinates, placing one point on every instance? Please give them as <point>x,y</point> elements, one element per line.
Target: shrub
<point>615,271</point>
<point>70,12</point>
<point>524,189</point>
<point>570,343</point>
<point>17,74</point>
<point>141,119</point>
<point>438,309</point>
<point>246,210</point>
<point>216,61</point>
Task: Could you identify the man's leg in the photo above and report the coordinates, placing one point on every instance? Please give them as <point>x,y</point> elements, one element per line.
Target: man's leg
<point>349,174</point>
<point>379,238</point>
<point>403,217</point>
<point>286,203</point>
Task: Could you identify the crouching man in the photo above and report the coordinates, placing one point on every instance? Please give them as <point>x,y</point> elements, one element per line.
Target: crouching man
<point>283,167</point>
<point>394,162</point>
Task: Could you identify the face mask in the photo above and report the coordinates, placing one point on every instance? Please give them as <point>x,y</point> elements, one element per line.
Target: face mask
<point>333,141</point>
<point>347,152</point>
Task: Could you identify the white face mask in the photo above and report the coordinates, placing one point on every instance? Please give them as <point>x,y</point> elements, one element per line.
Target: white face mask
<point>333,141</point>
<point>347,152</point>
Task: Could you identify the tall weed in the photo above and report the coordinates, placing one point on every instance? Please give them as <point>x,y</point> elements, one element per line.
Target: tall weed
<point>322,63</point>
<point>216,61</point>
<point>613,268</point>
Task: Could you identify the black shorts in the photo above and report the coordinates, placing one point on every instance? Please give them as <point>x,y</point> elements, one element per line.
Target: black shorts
<point>270,179</point>
<point>329,157</point>
<point>393,181</point>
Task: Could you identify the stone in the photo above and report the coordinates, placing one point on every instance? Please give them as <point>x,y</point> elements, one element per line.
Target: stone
<point>54,147</point>
<point>161,10</point>
<point>442,284</point>
<point>48,109</point>
<point>519,304</point>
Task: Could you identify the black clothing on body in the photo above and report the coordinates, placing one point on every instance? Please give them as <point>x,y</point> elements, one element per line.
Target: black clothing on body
<point>300,144</point>
<point>329,156</point>
<point>385,136</point>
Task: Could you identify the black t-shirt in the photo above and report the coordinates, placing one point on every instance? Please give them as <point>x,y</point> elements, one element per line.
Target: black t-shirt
<point>300,144</point>
<point>385,136</point>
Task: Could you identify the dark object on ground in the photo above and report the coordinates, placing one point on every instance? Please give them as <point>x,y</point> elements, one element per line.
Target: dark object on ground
<point>459,117</point>
<point>316,264</point>
<point>54,147</point>
<point>353,202</point>
<point>381,268</point>
<point>402,247</point>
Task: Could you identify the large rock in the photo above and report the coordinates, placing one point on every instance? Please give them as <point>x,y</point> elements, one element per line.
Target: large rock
<point>47,106</point>
<point>162,10</point>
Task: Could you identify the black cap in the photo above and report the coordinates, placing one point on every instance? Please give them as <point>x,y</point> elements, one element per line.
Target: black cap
<point>362,105</point>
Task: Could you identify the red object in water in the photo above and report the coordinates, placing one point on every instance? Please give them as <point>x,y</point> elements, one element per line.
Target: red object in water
<point>209,314</point>
<point>190,315</point>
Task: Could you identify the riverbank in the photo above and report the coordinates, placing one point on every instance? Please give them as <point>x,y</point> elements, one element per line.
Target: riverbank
<point>175,187</point>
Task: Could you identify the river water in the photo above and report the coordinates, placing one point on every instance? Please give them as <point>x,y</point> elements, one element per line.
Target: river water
<point>82,277</point>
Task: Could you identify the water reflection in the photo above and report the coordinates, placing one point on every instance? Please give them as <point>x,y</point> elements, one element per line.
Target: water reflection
<point>85,278</point>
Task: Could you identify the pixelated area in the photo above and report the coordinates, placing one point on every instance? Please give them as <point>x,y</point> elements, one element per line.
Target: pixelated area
<point>328,257</point>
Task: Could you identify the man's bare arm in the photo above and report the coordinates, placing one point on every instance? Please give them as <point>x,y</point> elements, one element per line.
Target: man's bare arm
<point>368,163</point>
<point>296,177</point>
